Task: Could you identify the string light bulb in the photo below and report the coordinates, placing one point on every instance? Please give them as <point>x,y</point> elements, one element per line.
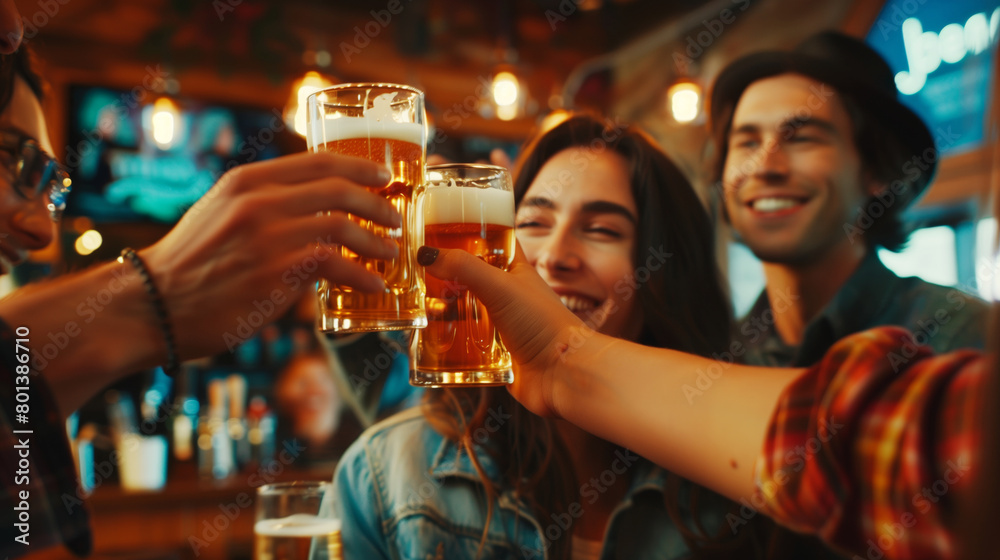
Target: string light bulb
<point>684,99</point>
<point>165,123</point>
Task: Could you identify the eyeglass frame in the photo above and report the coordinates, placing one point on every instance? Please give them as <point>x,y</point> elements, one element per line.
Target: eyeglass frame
<point>53,180</point>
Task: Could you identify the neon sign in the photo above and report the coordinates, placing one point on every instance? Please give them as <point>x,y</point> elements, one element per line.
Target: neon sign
<point>926,50</point>
<point>941,54</point>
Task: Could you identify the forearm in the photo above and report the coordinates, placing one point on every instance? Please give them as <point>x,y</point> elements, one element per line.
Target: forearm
<point>87,330</point>
<point>700,418</point>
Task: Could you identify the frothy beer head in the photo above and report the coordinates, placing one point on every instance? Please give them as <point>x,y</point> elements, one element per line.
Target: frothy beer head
<point>298,525</point>
<point>378,121</point>
<point>461,205</point>
<point>345,128</point>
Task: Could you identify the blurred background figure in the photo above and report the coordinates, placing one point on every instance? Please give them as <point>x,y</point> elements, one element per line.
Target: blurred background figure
<point>306,394</point>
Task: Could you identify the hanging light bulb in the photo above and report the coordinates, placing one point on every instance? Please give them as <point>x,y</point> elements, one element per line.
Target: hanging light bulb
<point>165,123</point>
<point>506,89</point>
<point>506,93</point>
<point>685,101</point>
<point>295,111</point>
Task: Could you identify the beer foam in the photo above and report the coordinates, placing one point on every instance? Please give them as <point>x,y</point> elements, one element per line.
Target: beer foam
<point>459,205</point>
<point>378,122</point>
<point>298,525</point>
<point>343,128</point>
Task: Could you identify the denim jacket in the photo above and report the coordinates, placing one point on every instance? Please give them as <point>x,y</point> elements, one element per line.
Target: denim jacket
<point>403,491</point>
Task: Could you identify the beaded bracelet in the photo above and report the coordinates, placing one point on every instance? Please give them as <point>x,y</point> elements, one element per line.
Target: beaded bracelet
<point>172,364</point>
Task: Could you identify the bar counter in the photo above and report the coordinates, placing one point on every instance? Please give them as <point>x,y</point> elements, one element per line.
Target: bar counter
<point>191,518</point>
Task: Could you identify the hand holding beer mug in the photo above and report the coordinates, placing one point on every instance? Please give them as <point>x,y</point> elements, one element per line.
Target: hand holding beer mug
<point>470,207</point>
<point>288,525</point>
<point>383,123</point>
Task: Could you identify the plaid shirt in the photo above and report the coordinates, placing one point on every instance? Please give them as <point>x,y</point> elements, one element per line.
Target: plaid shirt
<point>871,447</point>
<point>55,512</point>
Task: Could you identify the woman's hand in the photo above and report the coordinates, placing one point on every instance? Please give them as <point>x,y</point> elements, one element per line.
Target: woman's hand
<point>256,242</point>
<point>536,327</point>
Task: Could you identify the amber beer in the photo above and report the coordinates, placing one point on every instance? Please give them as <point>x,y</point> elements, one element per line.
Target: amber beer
<point>297,537</point>
<point>384,124</point>
<point>460,345</point>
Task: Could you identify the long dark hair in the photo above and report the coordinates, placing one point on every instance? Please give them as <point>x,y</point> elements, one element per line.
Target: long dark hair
<point>18,64</point>
<point>684,308</point>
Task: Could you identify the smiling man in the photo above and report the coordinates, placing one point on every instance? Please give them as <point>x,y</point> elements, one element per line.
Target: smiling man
<point>818,161</point>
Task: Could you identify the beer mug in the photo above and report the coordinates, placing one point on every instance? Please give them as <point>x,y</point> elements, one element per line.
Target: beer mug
<point>288,525</point>
<point>383,123</point>
<point>469,207</point>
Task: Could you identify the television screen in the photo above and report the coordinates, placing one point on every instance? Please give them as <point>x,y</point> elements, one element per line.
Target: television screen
<point>150,161</point>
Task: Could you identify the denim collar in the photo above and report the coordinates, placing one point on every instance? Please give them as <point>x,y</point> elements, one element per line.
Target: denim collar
<point>450,460</point>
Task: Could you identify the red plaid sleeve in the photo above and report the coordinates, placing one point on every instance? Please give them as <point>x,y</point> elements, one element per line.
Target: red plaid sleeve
<point>871,447</point>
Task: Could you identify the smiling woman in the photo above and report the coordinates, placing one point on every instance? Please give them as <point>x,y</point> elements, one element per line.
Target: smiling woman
<point>616,230</point>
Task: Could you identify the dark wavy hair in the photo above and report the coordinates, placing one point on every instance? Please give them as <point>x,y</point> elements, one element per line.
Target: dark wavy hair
<point>19,64</point>
<point>882,156</point>
<point>684,308</point>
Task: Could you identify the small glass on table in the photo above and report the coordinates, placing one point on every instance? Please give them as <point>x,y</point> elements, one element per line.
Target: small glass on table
<point>289,525</point>
<point>469,207</point>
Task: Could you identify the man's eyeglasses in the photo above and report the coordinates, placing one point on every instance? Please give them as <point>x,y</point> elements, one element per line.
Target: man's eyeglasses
<point>34,173</point>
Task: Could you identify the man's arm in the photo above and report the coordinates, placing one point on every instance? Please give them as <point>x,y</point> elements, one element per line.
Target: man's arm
<point>238,251</point>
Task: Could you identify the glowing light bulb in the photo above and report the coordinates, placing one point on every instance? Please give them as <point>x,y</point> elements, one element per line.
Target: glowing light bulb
<point>165,123</point>
<point>506,89</point>
<point>685,98</point>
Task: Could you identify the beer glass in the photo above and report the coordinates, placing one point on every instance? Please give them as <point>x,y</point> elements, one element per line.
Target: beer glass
<point>288,525</point>
<point>384,123</point>
<point>469,207</point>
